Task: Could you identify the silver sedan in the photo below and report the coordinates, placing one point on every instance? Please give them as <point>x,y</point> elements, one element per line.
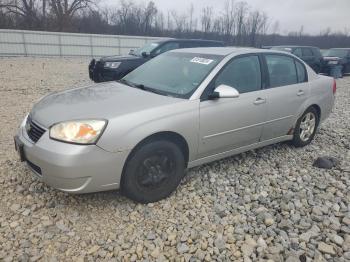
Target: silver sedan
<point>182,109</point>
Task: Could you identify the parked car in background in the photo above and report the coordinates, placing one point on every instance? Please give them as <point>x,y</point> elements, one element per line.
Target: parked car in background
<point>309,54</point>
<point>182,109</point>
<point>336,57</point>
<point>115,67</point>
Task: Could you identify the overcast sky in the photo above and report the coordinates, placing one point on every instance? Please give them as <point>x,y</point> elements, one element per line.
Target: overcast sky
<point>314,15</point>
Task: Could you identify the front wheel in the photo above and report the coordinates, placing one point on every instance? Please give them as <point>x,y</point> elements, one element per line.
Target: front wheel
<point>153,172</point>
<point>306,128</point>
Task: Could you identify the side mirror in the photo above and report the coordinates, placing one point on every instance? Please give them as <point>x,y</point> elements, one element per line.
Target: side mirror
<point>145,54</point>
<point>224,91</point>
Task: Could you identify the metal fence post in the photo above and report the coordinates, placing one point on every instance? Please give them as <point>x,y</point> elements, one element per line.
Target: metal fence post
<point>119,46</point>
<point>60,44</point>
<point>24,45</point>
<point>91,47</point>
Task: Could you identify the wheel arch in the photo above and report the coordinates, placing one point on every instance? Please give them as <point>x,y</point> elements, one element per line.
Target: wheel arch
<point>318,109</point>
<point>170,136</point>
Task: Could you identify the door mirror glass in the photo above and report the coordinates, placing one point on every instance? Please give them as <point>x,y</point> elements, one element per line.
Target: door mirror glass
<point>224,91</point>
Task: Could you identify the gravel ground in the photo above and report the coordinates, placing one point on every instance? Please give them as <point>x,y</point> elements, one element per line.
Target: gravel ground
<point>266,204</point>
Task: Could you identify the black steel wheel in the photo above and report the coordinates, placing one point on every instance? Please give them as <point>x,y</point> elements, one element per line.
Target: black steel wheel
<point>153,172</point>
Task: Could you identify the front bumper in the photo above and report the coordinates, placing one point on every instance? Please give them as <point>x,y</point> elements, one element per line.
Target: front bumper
<point>72,168</point>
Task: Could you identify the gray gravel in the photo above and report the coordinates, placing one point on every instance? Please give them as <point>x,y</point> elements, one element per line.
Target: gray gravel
<point>267,204</point>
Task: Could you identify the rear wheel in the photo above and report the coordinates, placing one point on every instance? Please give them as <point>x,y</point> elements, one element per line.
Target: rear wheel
<point>306,128</point>
<point>153,172</point>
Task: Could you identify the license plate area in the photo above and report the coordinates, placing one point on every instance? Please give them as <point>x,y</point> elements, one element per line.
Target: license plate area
<point>19,148</point>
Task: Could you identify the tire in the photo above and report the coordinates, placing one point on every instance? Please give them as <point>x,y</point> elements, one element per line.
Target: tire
<point>153,171</point>
<point>305,128</point>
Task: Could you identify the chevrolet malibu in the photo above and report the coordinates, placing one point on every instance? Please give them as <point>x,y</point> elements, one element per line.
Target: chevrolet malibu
<point>182,109</point>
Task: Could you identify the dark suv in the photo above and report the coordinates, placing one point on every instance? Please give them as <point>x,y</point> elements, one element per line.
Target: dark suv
<point>336,57</point>
<point>115,67</point>
<point>311,55</point>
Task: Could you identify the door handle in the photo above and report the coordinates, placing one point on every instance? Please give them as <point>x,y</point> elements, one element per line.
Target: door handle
<point>259,101</point>
<point>300,93</point>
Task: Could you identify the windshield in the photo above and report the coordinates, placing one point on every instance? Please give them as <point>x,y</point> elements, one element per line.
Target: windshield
<point>336,52</point>
<point>173,74</point>
<point>148,48</point>
<point>282,48</point>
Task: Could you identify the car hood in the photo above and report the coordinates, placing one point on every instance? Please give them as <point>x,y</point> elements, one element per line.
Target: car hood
<point>119,58</point>
<point>98,101</point>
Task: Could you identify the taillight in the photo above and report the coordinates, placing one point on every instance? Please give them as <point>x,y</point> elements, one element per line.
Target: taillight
<point>334,86</point>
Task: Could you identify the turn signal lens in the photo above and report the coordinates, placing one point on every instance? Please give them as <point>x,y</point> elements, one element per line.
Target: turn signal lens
<point>334,86</point>
<point>81,132</point>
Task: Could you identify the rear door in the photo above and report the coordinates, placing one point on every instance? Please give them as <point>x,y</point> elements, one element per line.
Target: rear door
<point>287,91</point>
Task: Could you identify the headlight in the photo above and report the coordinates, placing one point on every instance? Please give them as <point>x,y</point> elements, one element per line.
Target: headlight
<point>333,62</point>
<point>80,131</point>
<point>112,64</point>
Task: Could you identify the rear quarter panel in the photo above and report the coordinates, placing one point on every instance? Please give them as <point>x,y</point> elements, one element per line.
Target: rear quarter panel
<point>321,94</point>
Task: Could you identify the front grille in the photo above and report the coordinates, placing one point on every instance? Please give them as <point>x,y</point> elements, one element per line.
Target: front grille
<point>34,167</point>
<point>33,130</point>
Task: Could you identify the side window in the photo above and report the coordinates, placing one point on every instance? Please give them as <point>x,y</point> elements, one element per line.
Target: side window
<point>301,72</point>
<point>241,73</point>
<point>307,52</point>
<point>297,52</point>
<point>188,44</point>
<point>281,70</point>
<point>167,47</point>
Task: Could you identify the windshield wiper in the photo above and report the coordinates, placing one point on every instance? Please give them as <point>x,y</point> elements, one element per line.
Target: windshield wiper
<point>142,87</point>
<point>149,89</point>
<point>126,82</point>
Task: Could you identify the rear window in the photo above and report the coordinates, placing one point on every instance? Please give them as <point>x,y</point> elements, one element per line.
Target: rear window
<point>336,52</point>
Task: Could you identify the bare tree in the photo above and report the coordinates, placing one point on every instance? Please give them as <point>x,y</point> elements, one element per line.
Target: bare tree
<point>26,9</point>
<point>64,10</point>
<point>256,25</point>
<point>206,19</point>
<point>192,21</point>
<point>149,16</point>
<point>241,14</point>
<point>229,19</point>
<point>180,21</point>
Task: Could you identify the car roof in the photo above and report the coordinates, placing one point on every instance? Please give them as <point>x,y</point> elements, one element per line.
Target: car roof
<point>189,40</point>
<point>223,51</point>
<point>294,46</point>
<point>339,48</point>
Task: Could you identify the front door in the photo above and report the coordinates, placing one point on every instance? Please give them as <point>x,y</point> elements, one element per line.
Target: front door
<point>230,123</point>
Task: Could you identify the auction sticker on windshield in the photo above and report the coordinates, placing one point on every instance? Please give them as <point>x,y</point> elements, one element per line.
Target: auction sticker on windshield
<point>200,60</point>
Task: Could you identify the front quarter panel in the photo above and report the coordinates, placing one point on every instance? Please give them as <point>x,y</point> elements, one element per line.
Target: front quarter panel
<point>123,133</point>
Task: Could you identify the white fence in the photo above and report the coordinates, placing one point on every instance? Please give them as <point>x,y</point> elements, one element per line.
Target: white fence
<point>39,43</point>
